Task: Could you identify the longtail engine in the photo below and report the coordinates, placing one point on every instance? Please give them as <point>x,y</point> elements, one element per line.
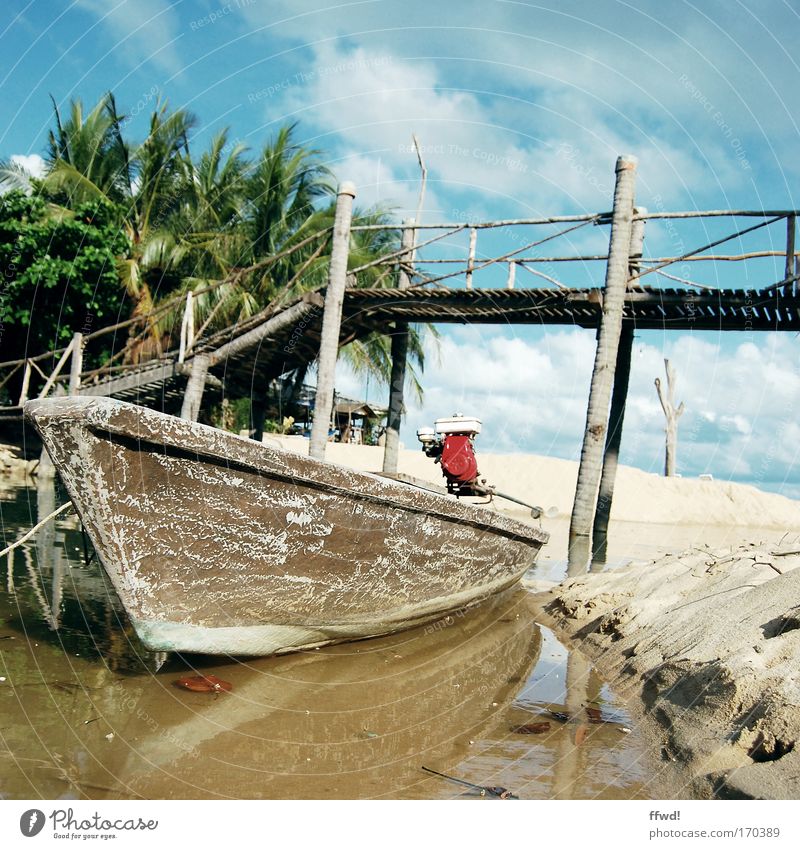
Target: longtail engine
<point>450,443</point>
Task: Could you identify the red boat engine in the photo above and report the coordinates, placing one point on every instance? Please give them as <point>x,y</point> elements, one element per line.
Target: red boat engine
<point>451,445</point>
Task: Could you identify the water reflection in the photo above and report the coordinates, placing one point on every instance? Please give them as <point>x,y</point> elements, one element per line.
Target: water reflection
<point>87,714</point>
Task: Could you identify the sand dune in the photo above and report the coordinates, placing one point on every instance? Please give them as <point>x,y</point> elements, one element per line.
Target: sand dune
<point>639,496</point>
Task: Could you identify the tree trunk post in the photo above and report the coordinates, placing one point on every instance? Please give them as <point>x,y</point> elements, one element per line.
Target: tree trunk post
<point>671,429</point>
<point>332,320</point>
<point>397,381</point>
<point>619,398</point>
<point>193,396</point>
<point>607,345</point>
<point>26,381</point>
<point>76,364</point>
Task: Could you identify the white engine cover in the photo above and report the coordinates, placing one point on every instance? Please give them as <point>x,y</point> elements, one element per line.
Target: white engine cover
<point>458,424</point>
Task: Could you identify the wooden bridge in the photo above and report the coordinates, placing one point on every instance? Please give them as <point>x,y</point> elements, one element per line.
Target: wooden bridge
<point>277,347</point>
<point>241,361</point>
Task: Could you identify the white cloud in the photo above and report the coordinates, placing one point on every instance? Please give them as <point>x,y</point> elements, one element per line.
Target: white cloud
<point>704,99</point>
<point>33,163</point>
<point>531,391</point>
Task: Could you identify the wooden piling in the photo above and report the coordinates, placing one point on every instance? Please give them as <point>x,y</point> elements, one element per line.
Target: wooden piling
<point>76,364</point>
<point>512,270</point>
<point>399,357</point>
<point>332,320</point>
<point>258,415</point>
<point>193,396</point>
<point>607,346</point>
<point>473,241</point>
<point>619,398</point>
<point>26,381</point>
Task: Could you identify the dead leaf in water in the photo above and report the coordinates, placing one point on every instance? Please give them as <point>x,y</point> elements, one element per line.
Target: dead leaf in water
<point>204,684</point>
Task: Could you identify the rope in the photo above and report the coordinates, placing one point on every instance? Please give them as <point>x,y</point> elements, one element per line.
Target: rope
<point>35,528</point>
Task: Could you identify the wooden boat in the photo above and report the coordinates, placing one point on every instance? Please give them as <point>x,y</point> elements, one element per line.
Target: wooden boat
<point>216,544</point>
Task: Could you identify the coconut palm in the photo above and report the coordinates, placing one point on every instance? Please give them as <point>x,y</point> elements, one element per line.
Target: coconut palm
<point>86,155</point>
<point>241,235</point>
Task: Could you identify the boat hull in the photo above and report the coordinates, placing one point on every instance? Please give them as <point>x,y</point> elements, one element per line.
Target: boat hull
<point>219,545</point>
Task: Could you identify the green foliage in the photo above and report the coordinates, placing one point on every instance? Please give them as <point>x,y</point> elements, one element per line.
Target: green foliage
<point>58,271</point>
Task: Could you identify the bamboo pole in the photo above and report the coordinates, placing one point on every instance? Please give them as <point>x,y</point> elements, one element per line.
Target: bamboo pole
<point>512,272</point>
<point>298,313</point>
<point>606,216</point>
<point>473,240</point>
<point>607,346</point>
<point>76,364</point>
<point>193,396</point>
<point>397,381</point>
<point>26,380</point>
<point>332,319</point>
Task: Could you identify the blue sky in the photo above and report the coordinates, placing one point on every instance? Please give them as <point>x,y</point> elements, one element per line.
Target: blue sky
<point>522,109</point>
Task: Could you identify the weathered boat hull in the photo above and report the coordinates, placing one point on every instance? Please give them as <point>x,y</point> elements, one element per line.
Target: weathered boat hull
<point>216,544</point>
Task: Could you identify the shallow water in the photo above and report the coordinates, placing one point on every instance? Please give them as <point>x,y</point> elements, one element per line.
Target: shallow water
<point>487,696</point>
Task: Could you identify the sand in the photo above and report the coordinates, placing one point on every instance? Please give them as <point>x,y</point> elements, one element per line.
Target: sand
<point>550,482</point>
<point>705,646</point>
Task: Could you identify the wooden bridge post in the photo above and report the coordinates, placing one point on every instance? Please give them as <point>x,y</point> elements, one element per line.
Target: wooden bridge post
<point>399,356</point>
<point>607,345</point>
<point>193,396</point>
<point>26,381</point>
<point>332,320</point>
<point>619,398</point>
<point>76,364</point>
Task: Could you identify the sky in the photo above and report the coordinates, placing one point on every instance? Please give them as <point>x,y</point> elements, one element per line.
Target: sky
<point>521,110</point>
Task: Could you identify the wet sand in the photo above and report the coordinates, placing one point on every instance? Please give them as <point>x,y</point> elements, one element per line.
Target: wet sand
<point>706,646</point>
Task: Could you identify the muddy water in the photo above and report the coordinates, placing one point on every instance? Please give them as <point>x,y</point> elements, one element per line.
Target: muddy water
<point>487,696</point>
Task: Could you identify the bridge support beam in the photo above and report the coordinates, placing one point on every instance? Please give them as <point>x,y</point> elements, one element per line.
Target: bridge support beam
<point>619,398</point>
<point>397,382</point>
<point>332,320</point>
<point>193,396</point>
<point>76,364</point>
<point>596,429</point>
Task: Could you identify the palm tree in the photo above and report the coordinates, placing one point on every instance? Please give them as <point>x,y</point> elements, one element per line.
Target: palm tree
<point>88,159</point>
<point>240,234</point>
<point>86,155</point>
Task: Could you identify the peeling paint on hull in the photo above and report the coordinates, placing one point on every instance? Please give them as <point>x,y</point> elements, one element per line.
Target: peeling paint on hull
<point>217,544</point>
